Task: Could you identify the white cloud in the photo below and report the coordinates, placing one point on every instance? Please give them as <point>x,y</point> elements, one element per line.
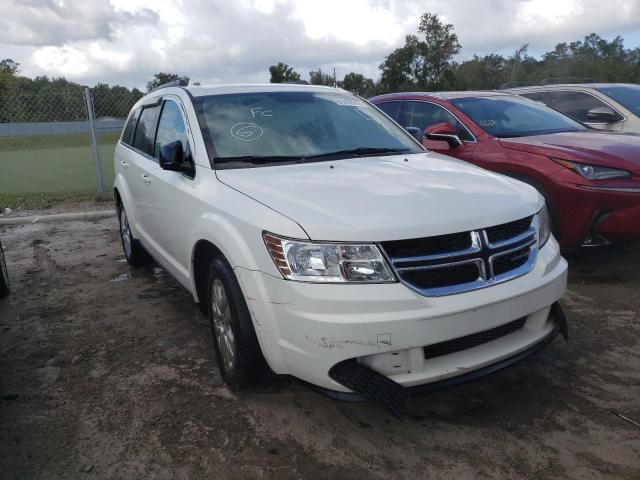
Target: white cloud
<point>126,41</point>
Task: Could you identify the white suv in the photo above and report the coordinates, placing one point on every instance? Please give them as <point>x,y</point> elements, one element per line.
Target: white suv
<point>320,237</point>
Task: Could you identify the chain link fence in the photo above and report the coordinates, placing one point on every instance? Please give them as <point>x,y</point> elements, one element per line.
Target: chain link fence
<point>61,142</point>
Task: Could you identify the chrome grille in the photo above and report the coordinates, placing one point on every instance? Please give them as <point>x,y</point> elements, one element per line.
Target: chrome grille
<point>464,261</point>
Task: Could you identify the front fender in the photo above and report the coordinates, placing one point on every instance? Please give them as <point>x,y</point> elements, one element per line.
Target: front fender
<point>120,185</point>
<point>240,241</point>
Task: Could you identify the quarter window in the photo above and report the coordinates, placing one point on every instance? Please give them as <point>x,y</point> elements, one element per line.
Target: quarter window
<point>576,104</point>
<point>424,114</point>
<point>171,128</point>
<point>143,138</point>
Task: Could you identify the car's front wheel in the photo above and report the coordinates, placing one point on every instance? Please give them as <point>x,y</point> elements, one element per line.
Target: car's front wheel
<point>134,253</point>
<point>235,343</point>
<point>4,275</point>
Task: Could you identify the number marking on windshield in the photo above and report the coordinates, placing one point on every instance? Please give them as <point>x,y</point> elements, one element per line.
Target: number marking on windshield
<point>246,131</point>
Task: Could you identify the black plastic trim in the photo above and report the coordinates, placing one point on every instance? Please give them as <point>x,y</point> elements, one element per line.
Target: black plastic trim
<point>204,128</point>
<point>467,377</point>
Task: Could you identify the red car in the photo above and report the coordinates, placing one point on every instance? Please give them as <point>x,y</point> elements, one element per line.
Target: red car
<point>589,178</point>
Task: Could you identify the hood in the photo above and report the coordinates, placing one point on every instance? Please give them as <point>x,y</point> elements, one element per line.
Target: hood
<point>373,199</point>
<point>617,150</point>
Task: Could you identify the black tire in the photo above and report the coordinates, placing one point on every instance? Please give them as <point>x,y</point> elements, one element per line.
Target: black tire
<point>4,275</point>
<point>134,253</point>
<point>247,367</point>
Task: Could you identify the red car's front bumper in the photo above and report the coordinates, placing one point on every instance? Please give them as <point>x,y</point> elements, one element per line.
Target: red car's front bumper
<point>592,216</point>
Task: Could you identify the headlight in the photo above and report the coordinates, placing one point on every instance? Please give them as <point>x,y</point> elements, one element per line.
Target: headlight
<point>307,261</point>
<point>544,226</point>
<point>593,172</point>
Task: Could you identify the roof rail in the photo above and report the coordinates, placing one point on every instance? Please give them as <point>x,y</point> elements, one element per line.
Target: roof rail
<point>506,85</point>
<point>181,82</point>
<point>298,82</point>
<point>557,80</point>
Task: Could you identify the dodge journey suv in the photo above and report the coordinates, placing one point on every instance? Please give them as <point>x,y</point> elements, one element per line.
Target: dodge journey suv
<point>325,243</point>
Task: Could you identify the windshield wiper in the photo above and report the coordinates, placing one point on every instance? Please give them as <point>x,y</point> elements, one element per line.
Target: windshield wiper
<point>510,135</point>
<point>352,152</point>
<point>355,152</point>
<point>259,159</point>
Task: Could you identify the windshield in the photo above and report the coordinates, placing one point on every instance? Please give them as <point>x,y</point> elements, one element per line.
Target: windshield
<point>505,117</point>
<point>626,95</point>
<point>269,127</point>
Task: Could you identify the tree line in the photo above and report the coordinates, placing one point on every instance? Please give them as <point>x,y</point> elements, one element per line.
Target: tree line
<point>426,62</point>
<point>44,99</point>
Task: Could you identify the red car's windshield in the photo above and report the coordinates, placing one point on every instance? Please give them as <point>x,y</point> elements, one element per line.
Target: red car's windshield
<point>506,117</point>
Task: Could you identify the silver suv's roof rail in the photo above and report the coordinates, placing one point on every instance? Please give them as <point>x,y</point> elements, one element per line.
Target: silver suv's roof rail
<point>181,82</point>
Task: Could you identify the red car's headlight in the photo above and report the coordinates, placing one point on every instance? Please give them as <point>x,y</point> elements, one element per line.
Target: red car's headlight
<point>593,172</point>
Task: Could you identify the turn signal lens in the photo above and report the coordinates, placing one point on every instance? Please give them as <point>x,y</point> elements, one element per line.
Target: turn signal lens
<point>544,226</point>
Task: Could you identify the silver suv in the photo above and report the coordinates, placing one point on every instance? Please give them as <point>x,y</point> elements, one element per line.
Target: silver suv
<point>606,106</point>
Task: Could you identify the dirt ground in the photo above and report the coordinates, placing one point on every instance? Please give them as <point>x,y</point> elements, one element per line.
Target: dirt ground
<point>107,372</point>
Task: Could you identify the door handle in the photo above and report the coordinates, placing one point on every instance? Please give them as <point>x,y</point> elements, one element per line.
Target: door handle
<point>146,178</point>
<point>124,163</point>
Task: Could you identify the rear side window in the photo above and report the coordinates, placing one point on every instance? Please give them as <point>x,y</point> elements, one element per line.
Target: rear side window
<point>129,127</point>
<point>391,108</point>
<point>576,104</point>
<point>424,114</point>
<point>145,131</point>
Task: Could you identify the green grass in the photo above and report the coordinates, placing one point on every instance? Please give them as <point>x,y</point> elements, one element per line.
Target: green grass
<point>43,201</point>
<point>54,141</point>
<point>62,165</point>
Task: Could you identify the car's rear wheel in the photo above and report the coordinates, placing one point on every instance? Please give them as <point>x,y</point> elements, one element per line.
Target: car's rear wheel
<point>134,253</point>
<point>4,275</point>
<point>235,343</point>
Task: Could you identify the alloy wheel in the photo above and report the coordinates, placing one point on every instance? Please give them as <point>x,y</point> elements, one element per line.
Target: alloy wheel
<point>222,324</point>
<point>125,233</point>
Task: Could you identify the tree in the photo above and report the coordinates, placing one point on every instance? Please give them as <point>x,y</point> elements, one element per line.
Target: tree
<point>161,78</point>
<point>9,67</point>
<point>481,73</point>
<point>399,69</point>
<point>439,46</point>
<point>422,62</point>
<point>318,77</point>
<point>282,73</point>
<point>358,83</point>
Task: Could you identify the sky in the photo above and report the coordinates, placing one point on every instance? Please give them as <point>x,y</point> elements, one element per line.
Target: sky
<point>235,41</point>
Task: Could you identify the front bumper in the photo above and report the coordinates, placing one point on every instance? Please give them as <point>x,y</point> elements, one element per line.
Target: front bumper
<point>305,329</point>
<point>594,215</point>
<point>561,328</point>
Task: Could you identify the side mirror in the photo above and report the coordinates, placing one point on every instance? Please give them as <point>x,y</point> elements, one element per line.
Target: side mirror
<point>415,133</point>
<point>602,115</point>
<point>172,158</point>
<point>443,132</point>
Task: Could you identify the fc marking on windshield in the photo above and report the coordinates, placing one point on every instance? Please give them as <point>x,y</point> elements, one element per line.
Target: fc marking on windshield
<point>261,112</point>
